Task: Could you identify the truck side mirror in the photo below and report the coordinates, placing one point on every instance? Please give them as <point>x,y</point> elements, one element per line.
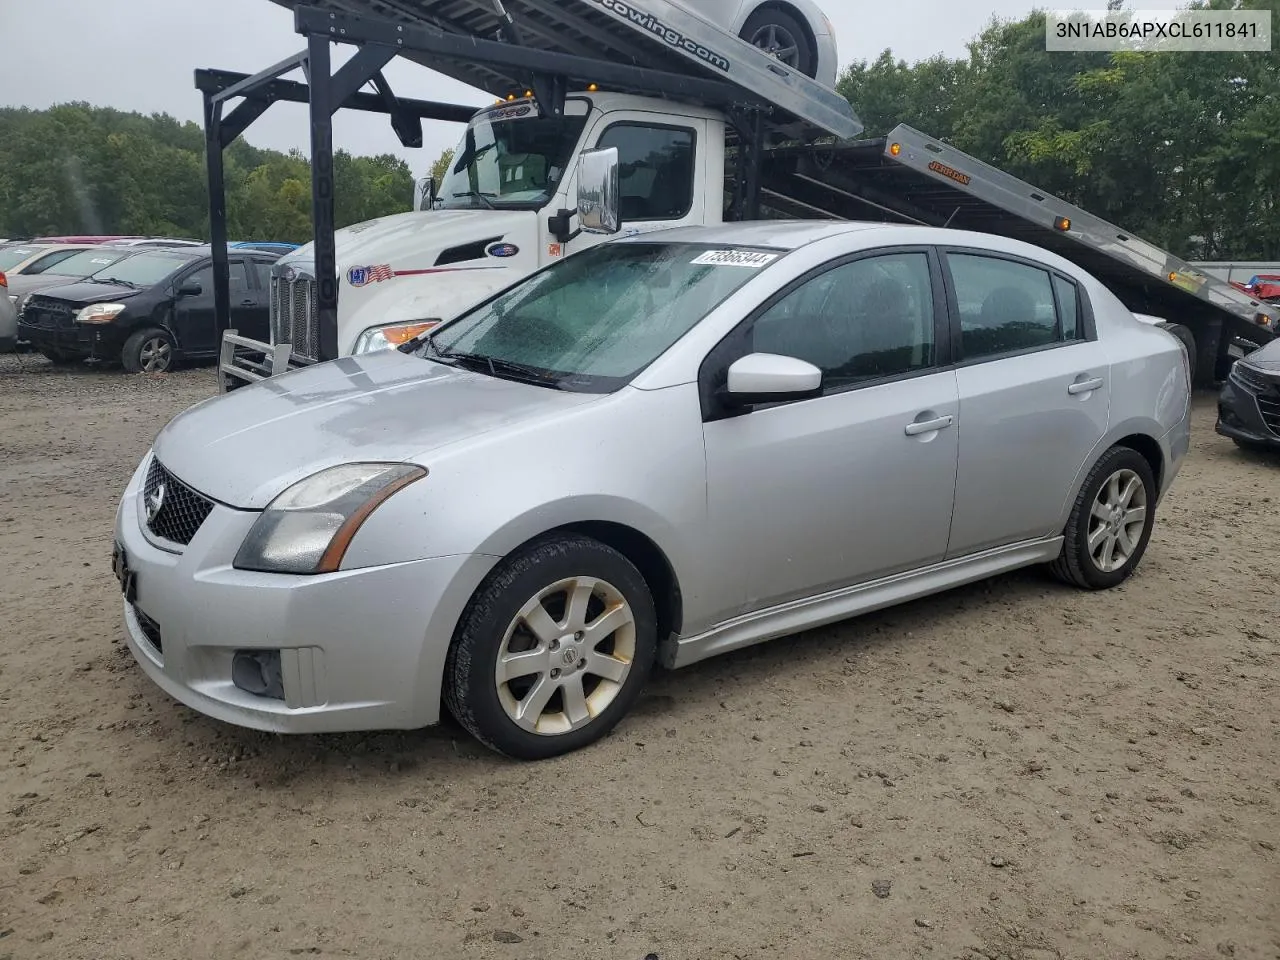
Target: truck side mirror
<point>424,193</point>
<point>599,191</point>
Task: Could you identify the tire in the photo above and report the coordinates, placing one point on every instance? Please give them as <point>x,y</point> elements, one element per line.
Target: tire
<point>1077,564</point>
<point>494,627</point>
<point>1188,340</point>
<point>151,350</point>
<point>781,34</point>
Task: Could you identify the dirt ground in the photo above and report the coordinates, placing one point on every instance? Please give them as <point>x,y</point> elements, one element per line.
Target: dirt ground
<point>1014,769</point>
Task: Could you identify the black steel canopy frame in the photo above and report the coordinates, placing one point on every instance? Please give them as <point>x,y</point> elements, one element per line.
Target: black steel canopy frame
<point>548,74</point>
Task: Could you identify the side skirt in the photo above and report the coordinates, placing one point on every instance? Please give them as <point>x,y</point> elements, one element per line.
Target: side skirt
<point>809,613</point>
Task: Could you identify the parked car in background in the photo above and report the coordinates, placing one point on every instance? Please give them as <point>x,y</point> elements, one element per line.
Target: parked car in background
<point>148,310</point>
<point>18,259</point>
<point>718,436</point>
<point>271,246</point>
<point>78,263</point>
<point>8,318</point>
<point>1249,404</point>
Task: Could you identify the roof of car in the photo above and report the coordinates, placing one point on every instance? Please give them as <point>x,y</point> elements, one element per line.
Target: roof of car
<point>778,234</point>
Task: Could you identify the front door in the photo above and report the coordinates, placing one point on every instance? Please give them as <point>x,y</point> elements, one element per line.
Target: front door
<point>194,322</point>
<point>855,484</point>
<point>1035,394</point>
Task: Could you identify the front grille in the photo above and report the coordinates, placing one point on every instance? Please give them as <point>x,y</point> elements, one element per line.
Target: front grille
<point>48,314</point>
<point>294,318</point>
<point>150,630</point>
<point>1266,391</point>
<point>173,510</point>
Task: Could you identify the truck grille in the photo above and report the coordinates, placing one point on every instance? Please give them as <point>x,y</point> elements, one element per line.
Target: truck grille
<point>294,319</point>
<point>48,314</point>
<point>1266,391</point>
<point>174,511</point>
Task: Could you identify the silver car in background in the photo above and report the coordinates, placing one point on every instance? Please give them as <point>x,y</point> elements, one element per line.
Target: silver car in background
<point>655,451</point>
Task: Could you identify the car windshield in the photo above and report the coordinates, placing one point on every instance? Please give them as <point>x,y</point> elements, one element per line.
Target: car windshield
<point>85,263</point>
<point>594,321</point>
<point>510,158</point>
<point>141,270</point>
<point>10,257</point>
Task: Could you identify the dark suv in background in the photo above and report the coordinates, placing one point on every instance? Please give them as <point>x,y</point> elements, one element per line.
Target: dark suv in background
<point>149,310</point>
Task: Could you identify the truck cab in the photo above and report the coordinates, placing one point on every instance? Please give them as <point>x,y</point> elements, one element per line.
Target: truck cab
<point>504,208</point>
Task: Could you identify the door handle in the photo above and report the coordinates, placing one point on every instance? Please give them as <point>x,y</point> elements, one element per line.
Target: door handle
<point>918,427</point>
<point>1084,386</point>
<point>248,303</point>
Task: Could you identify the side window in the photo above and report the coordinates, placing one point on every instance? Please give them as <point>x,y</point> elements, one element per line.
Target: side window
<point>48,260</point>
<point>238,276</point>
<point>1069,308</point>
<point>204,277</point>
<point>657,170</point>
<point>864,320</point>
<point>263,269</point>
<point>1004,306</point>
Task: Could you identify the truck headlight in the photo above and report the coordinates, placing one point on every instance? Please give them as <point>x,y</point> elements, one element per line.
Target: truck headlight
<point>100,313</point>
<point>308,528</point>
<point>391,335</point>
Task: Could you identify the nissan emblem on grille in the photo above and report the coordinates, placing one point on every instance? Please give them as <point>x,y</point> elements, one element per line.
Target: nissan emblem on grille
<point>173,511</point>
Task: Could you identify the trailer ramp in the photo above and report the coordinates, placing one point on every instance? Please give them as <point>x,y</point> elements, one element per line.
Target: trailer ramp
<point>910,177</point>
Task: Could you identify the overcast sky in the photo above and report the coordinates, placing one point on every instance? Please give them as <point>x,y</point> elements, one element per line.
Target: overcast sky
<point>140,54</point>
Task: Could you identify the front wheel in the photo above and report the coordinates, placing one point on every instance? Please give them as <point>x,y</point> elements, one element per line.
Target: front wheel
<point>780,35</point>
<point>553,650</point>
<point>149,351</point>
<point>1110,523</point>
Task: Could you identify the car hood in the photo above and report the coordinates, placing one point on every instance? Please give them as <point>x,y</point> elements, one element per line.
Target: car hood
<point>1267,358</point>
<point>245,447</point>
<point>85,292</point>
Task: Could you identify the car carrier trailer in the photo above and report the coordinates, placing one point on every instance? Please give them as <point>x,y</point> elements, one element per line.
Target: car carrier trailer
<point>655,59</point>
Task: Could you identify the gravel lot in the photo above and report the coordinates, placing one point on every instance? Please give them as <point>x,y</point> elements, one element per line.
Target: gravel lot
<point>1013,769</point>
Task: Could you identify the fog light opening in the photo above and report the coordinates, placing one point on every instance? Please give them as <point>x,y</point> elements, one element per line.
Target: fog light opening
<point>258,672</point>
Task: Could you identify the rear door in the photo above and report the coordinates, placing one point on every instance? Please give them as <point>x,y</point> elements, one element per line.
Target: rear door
<point>1035,396</point>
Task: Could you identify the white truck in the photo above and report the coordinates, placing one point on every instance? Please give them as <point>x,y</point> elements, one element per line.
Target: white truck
<point>509,202</point>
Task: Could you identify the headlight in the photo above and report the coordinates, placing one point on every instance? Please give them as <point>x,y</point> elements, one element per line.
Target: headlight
<point>308,528</point>
<point>392,335</point>
<point>100,313</point>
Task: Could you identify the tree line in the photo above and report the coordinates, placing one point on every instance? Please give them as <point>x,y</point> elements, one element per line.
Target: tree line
<point>1181,148</point>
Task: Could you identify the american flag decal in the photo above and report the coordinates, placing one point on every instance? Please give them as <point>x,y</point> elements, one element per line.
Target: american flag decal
<point>362,276</point>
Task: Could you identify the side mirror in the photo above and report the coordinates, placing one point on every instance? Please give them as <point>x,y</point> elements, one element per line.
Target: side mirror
<point>190,288</point>
<point>770,378</point>
<point>599,191</point>
<point>424,193</point>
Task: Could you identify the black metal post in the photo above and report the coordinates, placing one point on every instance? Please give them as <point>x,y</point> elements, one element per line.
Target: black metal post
<point>322,207</point>
<point>217,214</point>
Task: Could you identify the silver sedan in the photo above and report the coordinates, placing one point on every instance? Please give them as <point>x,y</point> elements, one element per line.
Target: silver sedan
<point>655,451</point>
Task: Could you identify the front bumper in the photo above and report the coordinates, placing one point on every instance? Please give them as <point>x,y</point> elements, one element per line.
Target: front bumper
<point>99,342</point>
<point>359,650</point>
<point>1240,416</point>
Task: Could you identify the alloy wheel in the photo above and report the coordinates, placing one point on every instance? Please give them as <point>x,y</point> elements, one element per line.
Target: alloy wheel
<point>778,41</point>
<point>1116,520</point>
<point>565,656</point>
<point>155,354</point>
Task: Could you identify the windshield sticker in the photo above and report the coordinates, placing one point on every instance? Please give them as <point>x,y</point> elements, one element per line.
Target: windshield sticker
<point>508,113</point>
<point>736,258</point>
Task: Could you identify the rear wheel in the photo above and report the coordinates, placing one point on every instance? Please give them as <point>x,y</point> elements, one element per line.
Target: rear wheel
<point>781,35</point>
<point>149,351</point>
<point>1110,523</point>
<point>553,650</point>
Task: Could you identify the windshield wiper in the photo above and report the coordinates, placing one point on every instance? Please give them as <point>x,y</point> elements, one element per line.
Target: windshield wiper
<point>495,364</point>
<point>123,283</point>
<point>482,197</point>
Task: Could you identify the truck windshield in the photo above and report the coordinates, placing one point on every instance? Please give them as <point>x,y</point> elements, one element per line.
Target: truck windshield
<point>510,158</point>
<point>594,321</point>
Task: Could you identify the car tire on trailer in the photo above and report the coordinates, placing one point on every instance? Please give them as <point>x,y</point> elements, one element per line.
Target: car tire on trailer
<point>1188,340</point>
<point>151,350</point>
<point>1110,523</point>
<point>782,35</point>
<point>553,649</point>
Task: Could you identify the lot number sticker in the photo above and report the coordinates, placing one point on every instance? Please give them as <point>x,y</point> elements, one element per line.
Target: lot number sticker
<point>736,258</point>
